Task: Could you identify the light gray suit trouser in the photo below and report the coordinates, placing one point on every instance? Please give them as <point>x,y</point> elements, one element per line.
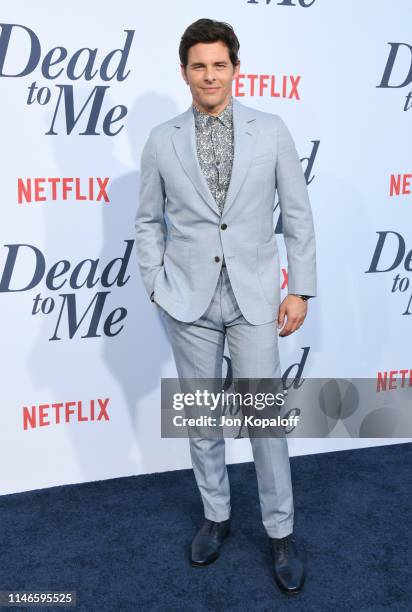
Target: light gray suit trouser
<point>198,352</point>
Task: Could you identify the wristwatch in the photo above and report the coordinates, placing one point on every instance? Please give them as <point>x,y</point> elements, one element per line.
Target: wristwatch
<point>304,297</point>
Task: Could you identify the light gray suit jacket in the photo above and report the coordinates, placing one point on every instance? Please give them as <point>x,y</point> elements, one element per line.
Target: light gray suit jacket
<point>181,237</point>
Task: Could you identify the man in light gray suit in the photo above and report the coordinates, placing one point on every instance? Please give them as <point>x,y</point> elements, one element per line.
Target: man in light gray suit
<point>208,259</point>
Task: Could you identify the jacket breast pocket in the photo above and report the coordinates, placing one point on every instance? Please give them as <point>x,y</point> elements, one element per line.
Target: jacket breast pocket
<point>263,158</point>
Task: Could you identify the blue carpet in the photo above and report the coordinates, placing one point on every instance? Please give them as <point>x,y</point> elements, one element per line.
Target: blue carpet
<point>122,544</point>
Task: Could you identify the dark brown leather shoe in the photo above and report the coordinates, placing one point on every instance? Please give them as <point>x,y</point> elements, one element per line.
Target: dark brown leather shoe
<point>207,542</point>
<point>289,570</point>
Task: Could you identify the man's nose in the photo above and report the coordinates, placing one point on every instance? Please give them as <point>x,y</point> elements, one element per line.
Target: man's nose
<point>210,74</point>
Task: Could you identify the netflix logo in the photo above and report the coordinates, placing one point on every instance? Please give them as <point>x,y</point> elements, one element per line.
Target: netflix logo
<point>400,184</point>
<point>389,380</point>
<point>267,85</point>
<point>61,413</point>
<point>92,189</point>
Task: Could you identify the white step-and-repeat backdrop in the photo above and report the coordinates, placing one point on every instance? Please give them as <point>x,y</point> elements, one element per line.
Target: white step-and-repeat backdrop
<point>82,83</point>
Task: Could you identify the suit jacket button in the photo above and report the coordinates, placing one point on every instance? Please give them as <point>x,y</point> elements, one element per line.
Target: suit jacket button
<point>223,226</point>
<point>217,258</point>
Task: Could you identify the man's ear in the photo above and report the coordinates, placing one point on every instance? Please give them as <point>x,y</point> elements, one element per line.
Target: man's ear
<point>237,69</point>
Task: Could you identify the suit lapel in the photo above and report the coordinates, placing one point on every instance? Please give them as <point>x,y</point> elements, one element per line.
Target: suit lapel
<point>245,133</point>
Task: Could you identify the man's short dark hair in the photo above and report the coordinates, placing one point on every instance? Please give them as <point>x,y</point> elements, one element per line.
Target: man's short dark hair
<point>208,31</point>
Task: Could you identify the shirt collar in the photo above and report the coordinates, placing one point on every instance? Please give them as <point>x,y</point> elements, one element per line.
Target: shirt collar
<point>226,116</point>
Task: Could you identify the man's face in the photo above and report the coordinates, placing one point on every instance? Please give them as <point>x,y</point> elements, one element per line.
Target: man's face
<point>209,73</point>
